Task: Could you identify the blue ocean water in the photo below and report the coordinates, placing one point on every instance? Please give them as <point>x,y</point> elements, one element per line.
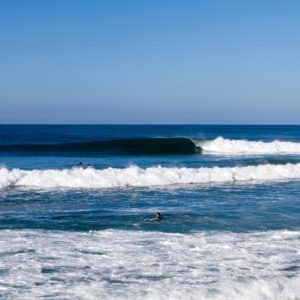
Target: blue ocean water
<point>76,204</point>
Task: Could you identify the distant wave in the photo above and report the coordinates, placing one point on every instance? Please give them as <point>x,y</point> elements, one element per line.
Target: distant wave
<point>243,147</point>
<point>156,146</point>
<point>138,177</point>
<point>143,146</point>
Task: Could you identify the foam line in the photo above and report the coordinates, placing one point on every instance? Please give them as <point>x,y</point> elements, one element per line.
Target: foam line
<point>134,176</point>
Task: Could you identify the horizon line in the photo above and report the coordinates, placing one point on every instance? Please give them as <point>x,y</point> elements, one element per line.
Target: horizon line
<point>149,124</point>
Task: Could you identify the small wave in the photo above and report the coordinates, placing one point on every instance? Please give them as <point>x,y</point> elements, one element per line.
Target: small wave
<point>243,147</point>
<point>138,177</point>
<point>142,146</point>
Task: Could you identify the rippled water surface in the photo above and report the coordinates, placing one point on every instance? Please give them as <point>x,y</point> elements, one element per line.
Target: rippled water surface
<point>76,204</point>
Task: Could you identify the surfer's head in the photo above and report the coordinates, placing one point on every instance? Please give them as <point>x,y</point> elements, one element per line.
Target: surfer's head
<point>157,216</point>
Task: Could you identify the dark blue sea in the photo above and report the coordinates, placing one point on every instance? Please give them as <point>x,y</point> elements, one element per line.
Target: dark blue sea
<point>77,203</point>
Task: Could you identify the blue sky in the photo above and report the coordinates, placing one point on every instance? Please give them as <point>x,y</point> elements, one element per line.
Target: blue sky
<point>71,61</point>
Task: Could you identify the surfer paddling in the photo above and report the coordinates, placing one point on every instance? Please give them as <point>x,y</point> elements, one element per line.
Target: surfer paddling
<point>157,217</point>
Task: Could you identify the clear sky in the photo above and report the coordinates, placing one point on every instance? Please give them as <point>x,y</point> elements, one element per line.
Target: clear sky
<point>155,61</point>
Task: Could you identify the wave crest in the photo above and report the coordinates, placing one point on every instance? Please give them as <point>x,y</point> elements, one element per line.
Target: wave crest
<point>134,176</point>
<point>244,147</point>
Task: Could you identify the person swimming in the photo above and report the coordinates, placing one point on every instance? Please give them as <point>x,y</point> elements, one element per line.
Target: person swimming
<point>157,217</point>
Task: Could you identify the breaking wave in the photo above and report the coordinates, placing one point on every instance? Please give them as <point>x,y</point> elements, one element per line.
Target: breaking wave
<point>156,146</point>
<point>135,176</point>
<point>244,147</point>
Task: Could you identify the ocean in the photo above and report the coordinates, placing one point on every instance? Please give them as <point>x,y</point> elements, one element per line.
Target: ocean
<point>76,204</point>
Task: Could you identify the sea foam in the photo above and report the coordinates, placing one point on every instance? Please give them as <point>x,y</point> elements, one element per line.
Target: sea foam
<point>115,264</point>
<point>135,176</point>
<point>245,147</point>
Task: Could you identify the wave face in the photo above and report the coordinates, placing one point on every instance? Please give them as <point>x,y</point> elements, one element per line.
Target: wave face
<point>244,147</point>
<point>144,146</point>
<point>138,177</point>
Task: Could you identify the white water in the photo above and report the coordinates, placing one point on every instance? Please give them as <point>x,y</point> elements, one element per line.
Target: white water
<point>138,177</point>
<point>244,147</point>
<point>115,264</point>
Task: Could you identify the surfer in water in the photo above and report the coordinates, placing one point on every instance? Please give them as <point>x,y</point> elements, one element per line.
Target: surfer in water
<point>83,165</point>
<point>157,217</point>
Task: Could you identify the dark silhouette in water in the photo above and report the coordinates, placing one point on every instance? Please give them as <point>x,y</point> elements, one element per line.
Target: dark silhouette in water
<point>137,146</point>
<point>157,217</point>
